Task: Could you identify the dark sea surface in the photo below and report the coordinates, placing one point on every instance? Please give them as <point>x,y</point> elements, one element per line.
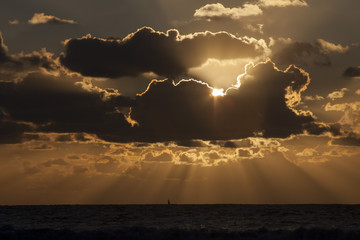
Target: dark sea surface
<point>180,222</point>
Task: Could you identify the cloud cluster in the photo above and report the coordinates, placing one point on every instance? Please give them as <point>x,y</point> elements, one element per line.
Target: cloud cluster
<point>69,103</point>
<point>41,18</point>
<point>218,11</point>
<point>146,50</point>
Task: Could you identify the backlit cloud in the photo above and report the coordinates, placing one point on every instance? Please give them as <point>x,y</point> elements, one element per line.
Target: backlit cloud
<point>190,113</point>
<point>41,18</point>
<point>13,67</point>
<point>147,50</point>
<point>165,111</point>
<point>218,11</point>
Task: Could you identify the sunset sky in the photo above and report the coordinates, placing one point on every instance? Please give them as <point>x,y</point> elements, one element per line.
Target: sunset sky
<point>197,101</point>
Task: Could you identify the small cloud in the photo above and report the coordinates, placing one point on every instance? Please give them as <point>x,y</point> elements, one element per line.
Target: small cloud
<point>43,146</point>
<point>328,47</point>
<point>258,28</point>
<point>55,162</point>
<point>14,22</point>
<point>73,157</point>
<point>283,3</point>
<point>337,94</point>
<point>107,165</point>
<point>163,157</point>
<point>314,98</point>
<point>352,72</point>
<point>218,11</point>
<point>307,152</point>
<point>41,18</point>
<point>79,170</point>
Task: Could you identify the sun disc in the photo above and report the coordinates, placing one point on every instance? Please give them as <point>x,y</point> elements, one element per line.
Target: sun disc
<point>218,92</point>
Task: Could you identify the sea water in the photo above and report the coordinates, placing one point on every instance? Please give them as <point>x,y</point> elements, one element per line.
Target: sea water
<point>180,222</point>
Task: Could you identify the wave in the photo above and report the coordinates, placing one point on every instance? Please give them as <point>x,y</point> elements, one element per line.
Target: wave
<point>8,232</point>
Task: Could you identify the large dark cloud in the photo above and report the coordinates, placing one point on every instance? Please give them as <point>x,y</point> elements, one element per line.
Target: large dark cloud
<point>32,99</point>
<point>58,105</point>
<point>260,105</point>
<point>263,105</point>
<point>147,50</point>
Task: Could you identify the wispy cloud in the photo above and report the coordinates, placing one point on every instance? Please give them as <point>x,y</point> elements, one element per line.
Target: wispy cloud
<point>283,3</point>
<point>14,21</point>
<point>41,18</point>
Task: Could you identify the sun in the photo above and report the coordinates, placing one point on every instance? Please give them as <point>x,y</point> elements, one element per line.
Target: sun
<point>218,92</point>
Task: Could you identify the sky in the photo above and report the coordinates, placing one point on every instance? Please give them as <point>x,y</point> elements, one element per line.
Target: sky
<point>199,102</point>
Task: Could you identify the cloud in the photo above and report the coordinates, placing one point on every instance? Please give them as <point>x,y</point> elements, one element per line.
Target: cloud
<point>43,146</point>
<point>350,140</point>
<point>350,121</point>
<point>14,67</point>
<point>107,165</point>
<point>285,52</point>
<point>352,72</point>
<point>12,131</point>
<point>41,18</point>
<point>189,111</point>
<point>55,162</point>
<point>337,94</point>
<point>283,3</point>
<point>146,50</point>
<point>162,157</point>
<point>328,47</point>
<point>3,50</point>
<point>314,98</point>
<point>166,111</point>
<point>14,22</point>
<point>191,143</point>
<point>218,11</point>
<point>32,99</point>
<point>57,104</point>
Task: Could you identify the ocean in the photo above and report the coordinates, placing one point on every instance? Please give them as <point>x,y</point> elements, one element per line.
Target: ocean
<point>180,222</point>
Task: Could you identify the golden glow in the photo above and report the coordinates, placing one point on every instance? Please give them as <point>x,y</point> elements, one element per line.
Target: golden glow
<point>218,92</point>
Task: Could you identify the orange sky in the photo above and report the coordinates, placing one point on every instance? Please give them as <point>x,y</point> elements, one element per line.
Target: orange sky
<point>217,102</point>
